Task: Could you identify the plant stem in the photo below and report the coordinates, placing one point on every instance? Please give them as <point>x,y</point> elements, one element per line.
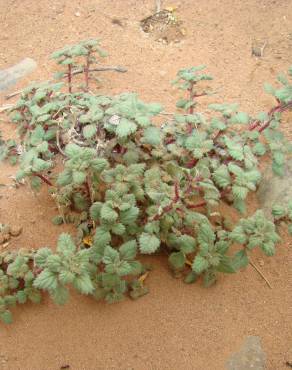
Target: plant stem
<point>260,273</point>
<point>191,108</point>
<point>192,163</point>
<point>168,208</point>
<point>278,109</point>
<point>198,205</point>
<point>86,71</point>
<point>70,78</point>
<point>44,179</point>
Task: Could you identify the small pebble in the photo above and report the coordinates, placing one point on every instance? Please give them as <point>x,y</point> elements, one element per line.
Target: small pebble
<point>77,14</point>
<point>15,230</point>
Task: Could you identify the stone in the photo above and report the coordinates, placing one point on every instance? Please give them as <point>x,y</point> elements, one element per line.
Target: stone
<point>250,357</point>
<point>10,76</point>
<point>274,189</point>
<point>15,230</point>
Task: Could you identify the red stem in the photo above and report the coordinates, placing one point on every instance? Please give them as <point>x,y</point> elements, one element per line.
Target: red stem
<point>192,163</point>
<point>279,108</point>
<point>202,204</point>
<point>70,78</point>
<point>44,179</point>
<point>170,206</point>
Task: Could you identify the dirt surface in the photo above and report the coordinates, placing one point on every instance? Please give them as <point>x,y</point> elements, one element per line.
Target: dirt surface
<point>176,326</point>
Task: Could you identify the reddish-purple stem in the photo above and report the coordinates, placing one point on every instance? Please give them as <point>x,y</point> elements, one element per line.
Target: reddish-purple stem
<point>70,78</point>
<point>279,108</point>
<point>43,178</point>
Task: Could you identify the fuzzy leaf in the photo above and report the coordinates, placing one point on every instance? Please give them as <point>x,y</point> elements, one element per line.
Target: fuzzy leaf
<point>125,128</point>
<point>149,243</point>
<point>6,317</point>
<point>89,131</point>
<point>102,237</point>
<point>222,177</point>
<point>128,250</point>
<point>200,264</point>
<point>177,260</point>
<point>60,295</point>
<point>46,280</point>
<point>187,244</point>
<point>234,149</point>
<point>108,214</point>
<point>83,284</point>
<point>152,136</point>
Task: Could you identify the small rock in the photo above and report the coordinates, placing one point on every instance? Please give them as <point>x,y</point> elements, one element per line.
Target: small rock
<point>2,240</point>
<point>15,230</point>
<point>251,356</point>
<point>261,263</point>
<point>258,47</point>
<point>274,189</point>
<point>77,14</point>
<point>10,76</point>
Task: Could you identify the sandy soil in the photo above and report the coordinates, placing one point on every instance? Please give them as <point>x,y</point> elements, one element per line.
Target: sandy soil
<point>176,326</point>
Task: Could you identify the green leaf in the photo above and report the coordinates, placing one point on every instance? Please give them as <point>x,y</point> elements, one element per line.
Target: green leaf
<point>110,255</point>
<point>241,117</point>
<point>240,260</point>
<point>209,278</point>
<point>259,149</point>
<point>226,265</point>
<point>278,211</point>
<point>152,136</point>
<point>41,257</point>
<point>60,295</point>
<point>206,235</point>
<point>199,264</point>
<point>177,260</point>
<point>66,245</point>
<point>125,128</point>
<point>149,243</point>
<point>6,317</point>
<point>128,250</point>
<point>118,229</point>
<point>154,108</point>
<point>234,149</point>
<point>268,248</point>
<point>108,214</point>
<point>89,131</point>
<point>129,216</point>
<point>21,296</point>
<point>191,278</point>
<point>46,280</point>
<point>57,220</point>
<point>102,237</point>
<point>187,244</point>
<point>83,284</point>
<point>222,177</point>
<point>65,178</point>
<point>239,192</point>
<point>78,177</point>
<point>95,210</point>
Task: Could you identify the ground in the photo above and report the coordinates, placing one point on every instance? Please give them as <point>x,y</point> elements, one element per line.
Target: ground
<point>176,326</point>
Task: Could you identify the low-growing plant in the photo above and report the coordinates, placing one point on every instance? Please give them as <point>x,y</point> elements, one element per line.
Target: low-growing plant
<point>134,185</point>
